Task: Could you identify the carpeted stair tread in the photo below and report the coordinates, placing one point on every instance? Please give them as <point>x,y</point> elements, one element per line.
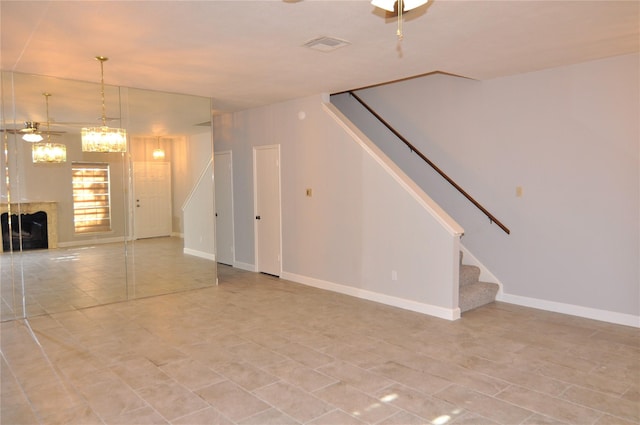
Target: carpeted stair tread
<point>469,274</point>
<point>473,293</point>
<point>476,294</point>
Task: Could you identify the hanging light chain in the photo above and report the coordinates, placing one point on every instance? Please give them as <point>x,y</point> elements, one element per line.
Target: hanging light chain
<point>102,60</point>
<point>103,139</point>
<point>46,97</point>
<point>399,32</point>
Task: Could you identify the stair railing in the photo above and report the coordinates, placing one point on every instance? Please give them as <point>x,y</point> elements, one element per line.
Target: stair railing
<point>413,149</point>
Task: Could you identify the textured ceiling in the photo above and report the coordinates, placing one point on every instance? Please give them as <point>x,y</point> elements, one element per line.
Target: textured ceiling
<point>250,53</point>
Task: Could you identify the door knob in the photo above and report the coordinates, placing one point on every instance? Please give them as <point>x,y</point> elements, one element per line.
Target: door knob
<point>257,217</point>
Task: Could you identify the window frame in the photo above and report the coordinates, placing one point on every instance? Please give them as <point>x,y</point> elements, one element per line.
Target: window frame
<point>91,180</point>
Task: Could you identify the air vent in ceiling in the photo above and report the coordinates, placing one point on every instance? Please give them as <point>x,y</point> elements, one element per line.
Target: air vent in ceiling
<point>326,44</point>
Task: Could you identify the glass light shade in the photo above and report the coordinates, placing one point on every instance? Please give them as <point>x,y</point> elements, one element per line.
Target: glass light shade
<point>390,4</point>
<point>32,137</point>
<point>384,4</point>
<point>49,152</point>
<point>104,139</point>
<point>158,154</point>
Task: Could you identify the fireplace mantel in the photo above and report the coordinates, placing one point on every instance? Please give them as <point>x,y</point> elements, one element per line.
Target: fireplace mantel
<point>28,207</point>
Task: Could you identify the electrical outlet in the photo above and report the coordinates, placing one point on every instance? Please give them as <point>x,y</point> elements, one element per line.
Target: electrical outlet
<point>309,192</point>
<point>394,275</point>
<point>518,191</point>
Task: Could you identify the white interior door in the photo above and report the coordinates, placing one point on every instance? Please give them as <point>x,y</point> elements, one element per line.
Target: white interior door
<point>224,207</point>
<point>266,160</point>
<point>152,199</point>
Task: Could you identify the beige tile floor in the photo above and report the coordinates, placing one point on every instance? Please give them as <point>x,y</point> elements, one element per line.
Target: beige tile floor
<point>260,350</point>
<point>64,279</point>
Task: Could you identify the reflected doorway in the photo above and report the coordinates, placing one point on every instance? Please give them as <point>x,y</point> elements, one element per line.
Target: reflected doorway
<point>152,199</point>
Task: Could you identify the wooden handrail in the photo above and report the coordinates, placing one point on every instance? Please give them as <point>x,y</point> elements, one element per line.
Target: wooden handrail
<point>492,219</point>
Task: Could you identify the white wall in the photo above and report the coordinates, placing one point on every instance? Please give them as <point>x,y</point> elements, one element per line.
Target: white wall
<point>193,199</point>
<point>570,138</point>
<point>359,225</point>
<point>189,156</point>
<point>199,217</point>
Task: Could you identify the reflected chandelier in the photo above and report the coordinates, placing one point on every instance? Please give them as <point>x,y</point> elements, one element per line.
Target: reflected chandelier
<point>103,139</point>
<point>47,152</point>
<point>158,152</point>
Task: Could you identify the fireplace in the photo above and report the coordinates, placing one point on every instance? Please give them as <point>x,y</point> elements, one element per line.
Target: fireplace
<point>35,222</point>
<point>30,228</point>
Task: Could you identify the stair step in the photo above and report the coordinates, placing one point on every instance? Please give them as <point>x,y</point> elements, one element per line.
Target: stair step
<point>469,274</point>
<point>476,295</point>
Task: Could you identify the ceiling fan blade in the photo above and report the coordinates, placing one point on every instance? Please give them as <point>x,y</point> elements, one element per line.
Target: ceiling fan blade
<point>14,131</point>
<point>29,127</point>
<point>95,123</point>
<point>10,130</point>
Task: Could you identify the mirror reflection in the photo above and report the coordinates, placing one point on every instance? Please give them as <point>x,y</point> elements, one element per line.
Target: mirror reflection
<point>102,227</point>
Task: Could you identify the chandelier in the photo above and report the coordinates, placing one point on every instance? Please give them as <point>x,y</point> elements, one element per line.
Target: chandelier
<point>399,6</point>
<point>48,152</point>
<point>158,152</point>
<point>103,138</point>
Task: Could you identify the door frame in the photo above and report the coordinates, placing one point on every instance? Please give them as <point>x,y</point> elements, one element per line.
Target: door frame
<point>255,204</point>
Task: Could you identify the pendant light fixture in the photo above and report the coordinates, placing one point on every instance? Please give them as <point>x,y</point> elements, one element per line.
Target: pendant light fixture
<point>158,152</point>
<point>103,139</point>
<point>401,6</point>
<point>47,152</point>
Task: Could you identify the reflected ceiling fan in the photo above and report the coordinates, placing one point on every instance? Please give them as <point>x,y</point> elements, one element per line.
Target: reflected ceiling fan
<point>31,132</point>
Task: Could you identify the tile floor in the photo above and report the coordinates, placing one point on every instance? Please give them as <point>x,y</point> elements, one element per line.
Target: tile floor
<point>66,279</point>
<point>260,350</point>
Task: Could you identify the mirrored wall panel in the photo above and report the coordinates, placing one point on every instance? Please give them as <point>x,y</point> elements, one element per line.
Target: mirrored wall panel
<point>83,228</point>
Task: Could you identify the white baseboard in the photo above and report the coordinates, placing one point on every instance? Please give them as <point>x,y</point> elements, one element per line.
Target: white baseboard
<point>570,309</point>
<point>245,266</point>
<point>201,254</point>
<point>428,309</point>
<point>573,310</point>
<point>87,242</point>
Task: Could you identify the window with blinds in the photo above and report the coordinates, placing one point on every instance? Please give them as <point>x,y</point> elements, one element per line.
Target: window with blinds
<point>91,201</point>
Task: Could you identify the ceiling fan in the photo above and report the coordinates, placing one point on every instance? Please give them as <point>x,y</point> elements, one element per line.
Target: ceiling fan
<point>31,131</point>
<point>393,7</point>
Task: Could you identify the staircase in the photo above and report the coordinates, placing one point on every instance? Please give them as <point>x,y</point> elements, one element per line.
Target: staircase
<point>473,293</point>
